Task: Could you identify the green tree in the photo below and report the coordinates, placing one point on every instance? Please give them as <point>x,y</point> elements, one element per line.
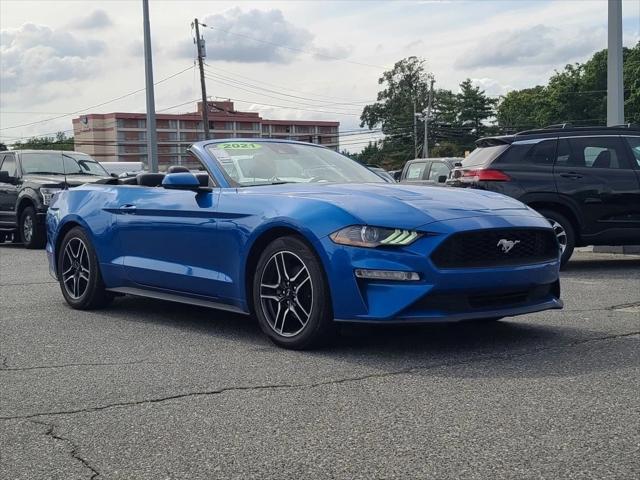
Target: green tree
<point>405,84</point>
<point>59,142</point>
<point>474,106</point>
<point>577,94</point>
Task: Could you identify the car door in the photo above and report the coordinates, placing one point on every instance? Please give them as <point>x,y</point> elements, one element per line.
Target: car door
<point>168,239</point>
<point>8,190</point>
<point>416,171</point>
<point>438,170</point>
<point>596,172</point>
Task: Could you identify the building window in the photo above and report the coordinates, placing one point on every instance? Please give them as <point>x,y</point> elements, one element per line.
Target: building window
<point>247,126</point>
<point>303,129</point>
<point>265,128</point>
<point>221,125</point>
<point>188,124</point>
<point>281,128</point>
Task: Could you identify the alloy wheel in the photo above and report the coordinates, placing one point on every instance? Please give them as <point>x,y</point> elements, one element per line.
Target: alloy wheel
<point>286,293</point>
<point>560,232</point>
<point>75,268</point>
<point>27,228</point>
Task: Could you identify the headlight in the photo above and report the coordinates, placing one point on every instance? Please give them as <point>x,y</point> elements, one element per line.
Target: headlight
<point>47,193</point>
<point>366,236</point>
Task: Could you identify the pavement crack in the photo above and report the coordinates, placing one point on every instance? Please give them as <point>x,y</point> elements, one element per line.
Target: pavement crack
<point>70,365</point>
<point>338,381</point>
<point>74,448</point>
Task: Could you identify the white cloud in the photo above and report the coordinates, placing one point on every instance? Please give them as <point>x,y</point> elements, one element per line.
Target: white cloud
<point>95,20</point>
<point>536,45</point>
<point>250,37</point>
<point>36,55</point>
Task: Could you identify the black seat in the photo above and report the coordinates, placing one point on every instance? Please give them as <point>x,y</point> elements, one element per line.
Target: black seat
<point>149,179</point>
<point>177,169</point>
<point>603,160</point>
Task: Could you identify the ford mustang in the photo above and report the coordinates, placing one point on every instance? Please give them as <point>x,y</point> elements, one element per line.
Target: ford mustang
<point>303,238</point>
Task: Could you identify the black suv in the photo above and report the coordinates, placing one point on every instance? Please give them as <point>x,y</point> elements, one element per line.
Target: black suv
<point>28,180</point>
<point>585,180</point>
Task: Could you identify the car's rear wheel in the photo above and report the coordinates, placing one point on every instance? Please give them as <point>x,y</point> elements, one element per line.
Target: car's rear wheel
<point>564,231</point>
<point>79,272</point>
<point>290,295</point>
<point>32,232</point>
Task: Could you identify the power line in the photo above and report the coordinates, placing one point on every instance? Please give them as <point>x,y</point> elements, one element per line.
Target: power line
<point>99,104</point>
<point>287,88</point>
<point>230,79</point>
<point>271,96</point>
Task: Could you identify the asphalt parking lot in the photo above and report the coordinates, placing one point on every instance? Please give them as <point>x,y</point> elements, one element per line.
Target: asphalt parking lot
<point>153,390</point>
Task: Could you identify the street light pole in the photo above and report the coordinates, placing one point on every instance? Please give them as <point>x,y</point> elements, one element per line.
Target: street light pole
<point>615,89</point>
<point>415,131</point>
<point>152,136</point>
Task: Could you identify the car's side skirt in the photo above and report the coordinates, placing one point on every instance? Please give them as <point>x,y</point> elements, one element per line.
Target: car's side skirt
<point>171,297</point>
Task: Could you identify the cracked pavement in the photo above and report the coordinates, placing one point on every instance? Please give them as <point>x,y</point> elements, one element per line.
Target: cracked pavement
<point>149,389</point>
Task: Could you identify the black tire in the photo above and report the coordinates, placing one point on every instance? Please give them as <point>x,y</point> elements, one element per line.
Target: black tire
<point>292,294</point>
<point>91,292</point>
<point>564,229</point>
<point>3,237</point>
<point>32,233</point>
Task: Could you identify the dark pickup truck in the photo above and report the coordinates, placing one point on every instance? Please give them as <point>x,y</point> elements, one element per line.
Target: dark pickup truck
<point>28,180</point>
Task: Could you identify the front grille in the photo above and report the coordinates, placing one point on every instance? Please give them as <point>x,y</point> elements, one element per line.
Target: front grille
<point>456,302</point>
<point>492,248</point>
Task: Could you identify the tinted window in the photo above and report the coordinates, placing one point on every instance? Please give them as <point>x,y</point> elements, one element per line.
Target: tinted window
<point>415,171</point>
<point>540,153</point>
<point>9,165</point>
<point>594,152</point>
<point>438,169</point>
<point>70,163</point>
<point>634,143</point>
<point>483,156</point>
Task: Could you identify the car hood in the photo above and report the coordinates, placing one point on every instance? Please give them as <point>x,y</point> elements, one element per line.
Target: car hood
<point>387,204</point>
<point>71,180</point>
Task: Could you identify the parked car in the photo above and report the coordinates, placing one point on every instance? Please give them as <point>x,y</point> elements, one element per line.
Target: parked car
<point>585,180</point>
<point>382,173</point>
<point>28,180</point>
<point>333,243</point>
<point>428,171</point>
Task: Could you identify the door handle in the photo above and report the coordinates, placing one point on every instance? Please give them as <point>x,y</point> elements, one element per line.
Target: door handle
<point>571,175</point>
<point>128,209</point>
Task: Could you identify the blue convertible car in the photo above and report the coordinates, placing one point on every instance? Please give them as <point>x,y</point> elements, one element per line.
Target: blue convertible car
<point>303,238</point>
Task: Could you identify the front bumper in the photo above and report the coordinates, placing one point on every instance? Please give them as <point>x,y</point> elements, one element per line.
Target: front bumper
<point>441,295</point>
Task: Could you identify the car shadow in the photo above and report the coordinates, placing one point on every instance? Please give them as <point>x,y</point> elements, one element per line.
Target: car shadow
<point>509,348</point>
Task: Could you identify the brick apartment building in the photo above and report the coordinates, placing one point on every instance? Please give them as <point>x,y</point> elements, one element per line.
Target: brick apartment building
<point>113,137</point>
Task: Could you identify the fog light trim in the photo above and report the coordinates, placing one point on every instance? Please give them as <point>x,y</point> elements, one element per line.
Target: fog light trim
<point>395,275</point>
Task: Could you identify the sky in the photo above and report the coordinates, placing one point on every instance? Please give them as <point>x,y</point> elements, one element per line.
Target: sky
<point>286,59</point>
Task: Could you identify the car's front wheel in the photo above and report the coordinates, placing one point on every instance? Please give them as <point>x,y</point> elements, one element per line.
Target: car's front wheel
<point>32,232</point>
<point>79,272</point>
<point>290,295</point>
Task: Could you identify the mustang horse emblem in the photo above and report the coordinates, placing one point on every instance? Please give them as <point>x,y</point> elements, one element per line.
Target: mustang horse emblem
<point>507,245</point>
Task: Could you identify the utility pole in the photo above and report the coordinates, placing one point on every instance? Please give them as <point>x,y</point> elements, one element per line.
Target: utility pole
<point>615,89</point>
<point>415,131</point>
<point>152,135</point>
<point>427,117</point>
<point>203,85</point>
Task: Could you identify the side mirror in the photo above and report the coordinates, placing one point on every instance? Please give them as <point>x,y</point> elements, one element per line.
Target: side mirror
<point>442,178</point>
<point>114,175</point>
<point>181,181</point>
<point>6,178</point>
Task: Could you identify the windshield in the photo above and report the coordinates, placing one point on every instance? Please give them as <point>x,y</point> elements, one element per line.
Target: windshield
<point>260,163</point>
<point>53,163</point>
<point>483,156</point>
